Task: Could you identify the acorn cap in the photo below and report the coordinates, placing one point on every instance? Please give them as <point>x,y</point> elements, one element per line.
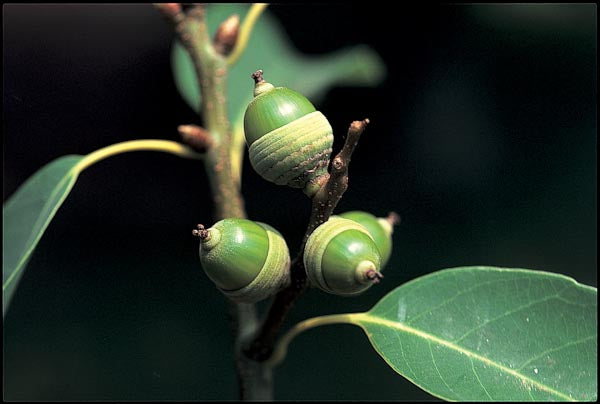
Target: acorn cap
<point>274,275</point>
<point>248,261</point>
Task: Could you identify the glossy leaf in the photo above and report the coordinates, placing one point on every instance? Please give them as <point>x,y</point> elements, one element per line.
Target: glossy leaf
<point>269,49</point>
<point>26,215</point>
<point>29,211</point>
<point>490,334</point>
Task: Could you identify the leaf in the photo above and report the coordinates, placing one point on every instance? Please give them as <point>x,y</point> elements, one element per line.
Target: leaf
<point>490,334</point>
<point>28,212</point>
<point>26,215</point>
<point>270,49</point>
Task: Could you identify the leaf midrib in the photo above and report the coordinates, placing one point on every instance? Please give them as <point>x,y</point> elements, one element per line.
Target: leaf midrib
<point>361,318</point>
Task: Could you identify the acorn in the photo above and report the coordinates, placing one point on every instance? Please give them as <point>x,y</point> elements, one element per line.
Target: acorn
<point>380,228</point>
<point>289,141</point>
<point>341,257</point>
<point>247,260</point>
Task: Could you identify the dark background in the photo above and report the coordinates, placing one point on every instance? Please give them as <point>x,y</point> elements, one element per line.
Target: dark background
<point>483,138</point>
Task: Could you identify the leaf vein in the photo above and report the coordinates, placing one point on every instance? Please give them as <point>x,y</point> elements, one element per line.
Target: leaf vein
<point>558,348</point>
<point>504,315</point>
<point>438,371</point>
<point>479,381</point>
<point>457,295</point>
<point>361,318</point>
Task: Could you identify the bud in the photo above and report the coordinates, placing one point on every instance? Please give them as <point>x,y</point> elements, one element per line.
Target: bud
<point>196,137</point>
<point>172,11</point>
<point>227,35</point>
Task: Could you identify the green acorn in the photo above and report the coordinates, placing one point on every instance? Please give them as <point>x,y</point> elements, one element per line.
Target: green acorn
<point>248,261</point>
<point>289,141</point>
<point>341,257</point>
<point>380,228</point>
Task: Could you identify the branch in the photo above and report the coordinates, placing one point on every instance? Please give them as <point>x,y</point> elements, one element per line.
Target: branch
<point>211,70</point>
<point>323,204</point>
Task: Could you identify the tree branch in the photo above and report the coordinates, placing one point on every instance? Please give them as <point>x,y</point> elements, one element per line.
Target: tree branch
<point>323,204</point>
<point>210,64</point>
<point>255,380</point>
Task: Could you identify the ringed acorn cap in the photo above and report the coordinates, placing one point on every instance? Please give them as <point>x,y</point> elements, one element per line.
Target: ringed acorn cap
<point>341,257</point>
<point>289,141</point>
<point>248,261</point>
<point>379,228</point>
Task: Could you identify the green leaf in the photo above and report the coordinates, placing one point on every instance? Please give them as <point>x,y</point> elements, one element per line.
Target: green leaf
<point>490,334</point>
<point>271,50</point>
<point>28,212</point>
<point>26,215</point>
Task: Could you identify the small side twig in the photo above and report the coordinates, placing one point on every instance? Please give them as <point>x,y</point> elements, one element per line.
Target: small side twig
<point>327,198</point>
<point>323,204</point>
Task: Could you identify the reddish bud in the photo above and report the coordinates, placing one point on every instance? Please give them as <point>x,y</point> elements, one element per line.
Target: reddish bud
<point>172,11</point>
<point>196,137</point>
<point>226,35</point>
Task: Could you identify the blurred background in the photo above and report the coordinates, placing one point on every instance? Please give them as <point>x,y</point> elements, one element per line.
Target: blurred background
<point>483,139</point>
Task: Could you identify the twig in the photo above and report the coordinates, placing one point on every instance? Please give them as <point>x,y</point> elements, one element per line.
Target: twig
<point>211,69</point>
<point>323,204</point>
